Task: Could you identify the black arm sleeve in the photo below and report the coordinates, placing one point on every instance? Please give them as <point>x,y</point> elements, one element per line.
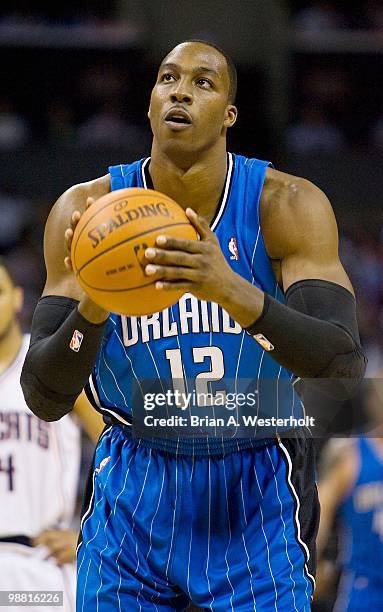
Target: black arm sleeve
<point>316,333</point>
<point>60,357</point>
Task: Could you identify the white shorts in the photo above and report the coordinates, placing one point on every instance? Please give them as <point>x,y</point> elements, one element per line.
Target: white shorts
<point>24,568</point>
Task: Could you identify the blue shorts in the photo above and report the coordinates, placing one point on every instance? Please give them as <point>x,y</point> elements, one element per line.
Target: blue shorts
<point>230,532</point>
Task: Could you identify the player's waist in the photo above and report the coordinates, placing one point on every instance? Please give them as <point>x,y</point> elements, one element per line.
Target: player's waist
<point>16,539</point>
<point>193,446</point>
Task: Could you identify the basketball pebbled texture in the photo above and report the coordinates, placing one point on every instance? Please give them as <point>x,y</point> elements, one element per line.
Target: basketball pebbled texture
<point>109,244</point>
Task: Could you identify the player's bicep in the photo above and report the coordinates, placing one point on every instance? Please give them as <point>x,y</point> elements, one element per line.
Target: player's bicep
<point>59,280</point>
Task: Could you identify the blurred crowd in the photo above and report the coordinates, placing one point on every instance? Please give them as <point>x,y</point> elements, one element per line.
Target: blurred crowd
<point>318,15</point>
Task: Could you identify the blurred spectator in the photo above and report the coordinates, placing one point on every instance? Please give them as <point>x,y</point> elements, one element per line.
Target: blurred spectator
<point>363,261</point>
<point>374,14</point>
<point>313,134</point>
<point>14,130</point>
<point>330,87</point>
<point>103,82</point>
<point>377,132</point>
<point>319,15</point>
<point>109,128</point>
<point>60,123</point>
<point>15,215</point>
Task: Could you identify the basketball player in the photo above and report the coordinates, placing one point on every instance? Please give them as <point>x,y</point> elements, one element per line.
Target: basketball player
<point>39,464</point>
<point>353,490</point>
<point>229,524</point>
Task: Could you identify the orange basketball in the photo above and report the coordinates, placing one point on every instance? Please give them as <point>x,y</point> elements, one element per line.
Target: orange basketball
<point>108,249</point>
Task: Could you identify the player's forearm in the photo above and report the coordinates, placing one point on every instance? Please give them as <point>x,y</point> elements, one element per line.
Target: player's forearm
<point>243,301</point>
<point>315,334</point>
<point>63,349</point>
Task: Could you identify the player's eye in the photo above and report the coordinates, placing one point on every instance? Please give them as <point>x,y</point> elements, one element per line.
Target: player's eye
<point>204,83</point>
<point>167,77</point>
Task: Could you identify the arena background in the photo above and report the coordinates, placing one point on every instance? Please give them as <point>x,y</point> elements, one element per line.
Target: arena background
<point>75,89</point>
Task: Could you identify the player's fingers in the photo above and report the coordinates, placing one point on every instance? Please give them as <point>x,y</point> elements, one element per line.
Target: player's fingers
<point>68,263</point>
<point>75,218</point>
<point>200,224</point>
<point>172,258</point>
<point>180,244</point>
<point>44,538</point>
<point>175,285</point>
<point>65,556</point>
<point>89,202</point>
<point>68,237</point>
<point>170,272</point>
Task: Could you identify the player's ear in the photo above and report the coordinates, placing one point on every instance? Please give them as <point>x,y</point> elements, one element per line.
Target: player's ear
<point>231,116</point>
<point>18,299</point>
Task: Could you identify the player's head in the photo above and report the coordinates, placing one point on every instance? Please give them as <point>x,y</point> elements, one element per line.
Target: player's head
<point>192,101</point>
<point>11,300</point>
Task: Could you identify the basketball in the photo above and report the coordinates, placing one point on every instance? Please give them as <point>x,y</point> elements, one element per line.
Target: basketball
<point>109,243</point>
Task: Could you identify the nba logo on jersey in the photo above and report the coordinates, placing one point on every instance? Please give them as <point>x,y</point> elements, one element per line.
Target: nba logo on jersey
<point>233,249</point>
<point>76,341</point>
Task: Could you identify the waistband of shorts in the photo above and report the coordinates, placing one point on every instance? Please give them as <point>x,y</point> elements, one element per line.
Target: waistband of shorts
<point>16,539</point>
<point>204,447</point>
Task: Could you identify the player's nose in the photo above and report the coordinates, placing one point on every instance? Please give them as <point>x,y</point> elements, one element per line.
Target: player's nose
<point>181,95</point>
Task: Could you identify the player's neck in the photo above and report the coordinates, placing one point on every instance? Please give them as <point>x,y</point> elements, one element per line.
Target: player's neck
<point>198,186</point>
<point>10,344</point>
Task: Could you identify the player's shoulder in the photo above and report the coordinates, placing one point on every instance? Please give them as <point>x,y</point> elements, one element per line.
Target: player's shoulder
<point>290,191</point>
<point>294,213</point>
<point>75,197</point>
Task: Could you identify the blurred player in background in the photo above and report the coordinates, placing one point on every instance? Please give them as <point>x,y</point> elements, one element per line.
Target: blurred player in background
<point>351,490</point>
<point>39,470</point>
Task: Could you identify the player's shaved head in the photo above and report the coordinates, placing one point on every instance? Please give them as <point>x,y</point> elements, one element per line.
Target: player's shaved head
<point>231,69</point>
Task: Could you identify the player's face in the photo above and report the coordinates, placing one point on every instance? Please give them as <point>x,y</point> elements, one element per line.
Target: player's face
<point>189,109</point>
<point>10,301</point>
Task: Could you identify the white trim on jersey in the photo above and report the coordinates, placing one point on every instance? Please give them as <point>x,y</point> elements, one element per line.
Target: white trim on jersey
<point>284,530</point>
<point>99,405</point>
<point>144,164</point>
<point>225,193</point>
<point>296,517</point>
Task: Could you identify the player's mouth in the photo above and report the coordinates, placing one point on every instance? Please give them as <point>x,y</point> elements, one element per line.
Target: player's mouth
<point>178,119</point>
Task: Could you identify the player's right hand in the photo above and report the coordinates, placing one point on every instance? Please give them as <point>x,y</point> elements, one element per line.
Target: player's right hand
<point>69,232</point>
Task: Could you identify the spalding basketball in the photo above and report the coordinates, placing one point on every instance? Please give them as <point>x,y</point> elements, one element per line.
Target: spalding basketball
<point>109,243</point>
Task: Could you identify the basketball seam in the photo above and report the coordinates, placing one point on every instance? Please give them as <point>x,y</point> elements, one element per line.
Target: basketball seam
<point>154,229</point>
<point>138,195</point>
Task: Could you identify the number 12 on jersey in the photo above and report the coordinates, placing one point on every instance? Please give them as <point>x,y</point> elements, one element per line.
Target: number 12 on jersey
<point>213,357</point>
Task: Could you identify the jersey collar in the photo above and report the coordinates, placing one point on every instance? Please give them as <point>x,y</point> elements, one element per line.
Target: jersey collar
<point>148,184</point>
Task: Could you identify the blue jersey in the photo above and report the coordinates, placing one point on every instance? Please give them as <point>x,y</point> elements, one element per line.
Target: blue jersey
<point>362,516</point>
<point>193,339</point>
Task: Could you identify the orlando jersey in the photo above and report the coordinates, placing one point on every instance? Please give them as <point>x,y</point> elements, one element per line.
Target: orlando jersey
<point>194,341</point>
<point>362,515</point>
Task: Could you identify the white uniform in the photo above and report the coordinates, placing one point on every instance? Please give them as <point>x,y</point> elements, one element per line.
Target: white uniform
<point>39,470</point>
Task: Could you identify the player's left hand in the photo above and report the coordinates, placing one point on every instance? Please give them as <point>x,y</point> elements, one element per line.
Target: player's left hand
<point>61,544</point>
<point>196,266</point>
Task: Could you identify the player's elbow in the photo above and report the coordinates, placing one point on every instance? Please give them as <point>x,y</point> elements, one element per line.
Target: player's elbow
<point>343,375</point>
<point>45,404</point>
